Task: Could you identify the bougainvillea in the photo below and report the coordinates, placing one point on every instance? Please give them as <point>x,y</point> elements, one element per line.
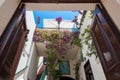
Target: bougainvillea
<point>58,19</point>
<point>57,43</point>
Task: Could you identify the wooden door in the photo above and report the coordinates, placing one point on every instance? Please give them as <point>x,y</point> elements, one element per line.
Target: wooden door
<point>11,44</point>
<point>88,71</point>
<point>107,41</point>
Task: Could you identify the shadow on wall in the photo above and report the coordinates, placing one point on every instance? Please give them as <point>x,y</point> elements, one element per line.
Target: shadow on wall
<point>66,78</point>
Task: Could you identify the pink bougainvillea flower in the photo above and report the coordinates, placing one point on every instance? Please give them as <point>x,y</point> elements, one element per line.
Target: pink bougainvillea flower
<point>58,19</point>
<point>38,19</point>
<point>47,46</point>
<point>76,34</point>
<point>66,39</point>
<point>75,19</point>
<point>62,50</point>
<point>36,39</point>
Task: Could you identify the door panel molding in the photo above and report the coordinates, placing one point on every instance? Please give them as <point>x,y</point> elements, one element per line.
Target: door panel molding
<point>107,43</point>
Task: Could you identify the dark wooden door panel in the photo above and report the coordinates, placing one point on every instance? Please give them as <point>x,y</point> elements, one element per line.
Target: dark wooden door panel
<point>107,43</point>
<point>88,71</point>
<point>11,44</point>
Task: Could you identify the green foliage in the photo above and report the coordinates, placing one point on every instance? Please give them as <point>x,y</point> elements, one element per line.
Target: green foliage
<point>91,13</point>
<point>52,63</point>
<point>77,42</point>
<point>57,44</point>
<point>82,19</point>
<point>56,74</point>
<point>87,39</point>
<point>77,67</point>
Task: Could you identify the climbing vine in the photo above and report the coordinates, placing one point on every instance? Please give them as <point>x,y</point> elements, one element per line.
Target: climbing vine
<point>88,40</point>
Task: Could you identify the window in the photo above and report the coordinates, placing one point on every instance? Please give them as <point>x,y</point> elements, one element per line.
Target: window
<point>64,68</point>
<point>88,71</point>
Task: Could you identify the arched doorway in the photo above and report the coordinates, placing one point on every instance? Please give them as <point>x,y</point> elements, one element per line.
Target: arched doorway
<point>66,78</point>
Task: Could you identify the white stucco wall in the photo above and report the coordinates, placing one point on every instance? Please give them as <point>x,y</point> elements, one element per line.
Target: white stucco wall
<point>95,64</point>
<point>23,62</point>
<point>20,77</point>
<point>30,48</point>
<point>52,23</point>
<point>31,27</point>
<point>73,64</point>
<point>31,72</point>
<point>113,8</point>
<point>7,9</point>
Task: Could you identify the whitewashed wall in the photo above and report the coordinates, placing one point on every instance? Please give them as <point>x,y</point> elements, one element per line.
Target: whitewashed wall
<point>73,65</point>
<point>22,66</point>
<point>95,64</point>
<point>31,72</point>
<point>7,9</point>
<point>30,48</point>
<point>31,27</point>
<point>23,61</point>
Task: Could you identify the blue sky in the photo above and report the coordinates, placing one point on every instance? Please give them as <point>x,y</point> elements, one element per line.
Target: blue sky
<point>66,15</point>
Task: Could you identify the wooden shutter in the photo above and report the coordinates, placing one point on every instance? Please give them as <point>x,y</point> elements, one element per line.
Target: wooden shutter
<point>107,41</point>
<point>11,44</point>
